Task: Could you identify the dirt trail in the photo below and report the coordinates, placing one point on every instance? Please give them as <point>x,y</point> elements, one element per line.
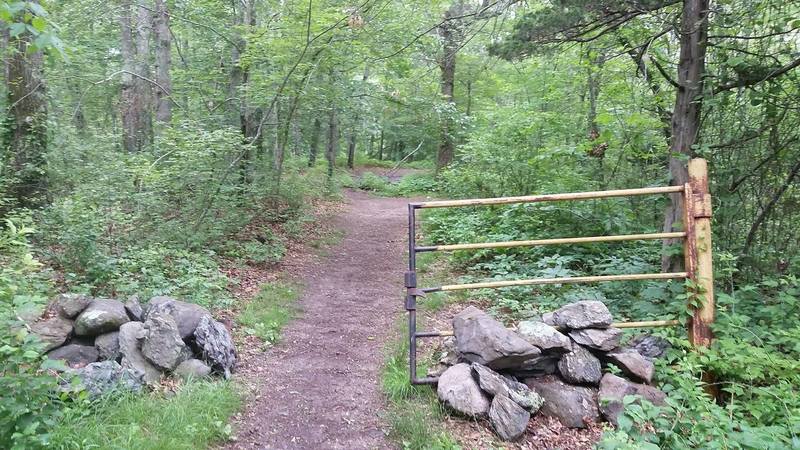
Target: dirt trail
<point>320,386</point>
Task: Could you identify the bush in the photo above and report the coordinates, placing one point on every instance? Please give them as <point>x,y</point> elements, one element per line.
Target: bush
<point>29,404</point>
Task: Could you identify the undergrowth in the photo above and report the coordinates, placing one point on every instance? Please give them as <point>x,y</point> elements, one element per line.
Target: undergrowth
<point>194,417</point>
<point>270,310</point>
<point>414,412</point>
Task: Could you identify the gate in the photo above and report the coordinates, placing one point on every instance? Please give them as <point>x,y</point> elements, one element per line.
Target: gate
<point>696,236</point>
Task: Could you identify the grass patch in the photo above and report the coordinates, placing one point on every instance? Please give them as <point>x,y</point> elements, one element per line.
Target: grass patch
<point>327,240</point>
<point>414,412</point>
<point>193,418</point>
<point>268,312</point>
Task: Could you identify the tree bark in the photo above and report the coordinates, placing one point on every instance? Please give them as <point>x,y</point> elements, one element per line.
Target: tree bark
<point>333,141</point>
<point>163,63</point>
<point>132,106</point>
<point>380,146</point>
<point>351,149</point>
<point>686,114</point>
<point>26,128</point>
<point>144,86</point>
<point>313,149</point>
<point>450,33</point>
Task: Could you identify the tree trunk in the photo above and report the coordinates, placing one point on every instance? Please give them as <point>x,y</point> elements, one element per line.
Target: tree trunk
<point>380,147</point>
<point>132,107</point>
<point>333,141</point>
<point>26,124</point>
<point>351,149</point>
<point>450,35</point>
<point>686,114</point>
<point>163,62</point>
<point>144,88</point>
<point>314,147</point>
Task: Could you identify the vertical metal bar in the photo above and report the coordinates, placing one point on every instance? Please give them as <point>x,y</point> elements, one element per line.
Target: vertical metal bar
<point>411,299</point>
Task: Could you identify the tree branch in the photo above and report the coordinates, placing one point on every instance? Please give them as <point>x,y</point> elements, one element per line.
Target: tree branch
<point>745,83</point>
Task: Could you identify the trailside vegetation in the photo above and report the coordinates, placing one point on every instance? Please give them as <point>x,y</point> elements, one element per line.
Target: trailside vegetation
<point>147,147</point>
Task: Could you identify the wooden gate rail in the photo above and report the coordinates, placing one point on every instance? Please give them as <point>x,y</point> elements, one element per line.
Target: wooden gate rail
<point>696,248</point>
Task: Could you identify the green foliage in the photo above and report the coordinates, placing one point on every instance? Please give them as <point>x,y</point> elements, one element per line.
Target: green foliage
<point>29,402</point>
<point>371,182</point>
<point>196,416</point>
<point>268,312</point>
<point>414,411</point>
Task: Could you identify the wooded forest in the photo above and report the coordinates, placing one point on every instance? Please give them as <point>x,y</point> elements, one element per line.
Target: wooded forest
<point>172,147</point>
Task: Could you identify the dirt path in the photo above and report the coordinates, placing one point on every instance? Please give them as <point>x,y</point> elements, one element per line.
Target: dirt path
<point>320,386</point>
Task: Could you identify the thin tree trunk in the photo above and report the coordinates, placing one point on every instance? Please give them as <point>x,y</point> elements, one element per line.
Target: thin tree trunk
<point>468,111</point>
<point>144,89</point>
<point>314,147</point>
<point>765,212</point>
<point>26,131</point>
<point>163,62</point>
<point>351,150</point>
<point>380,147</point>
<point>333,141</point>
<point>450,35</point>
<point>131,105</point>
<point>686,114</point>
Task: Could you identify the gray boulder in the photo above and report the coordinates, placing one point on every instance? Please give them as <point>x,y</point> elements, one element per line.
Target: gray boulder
<point>544,337</point>
<point>134,308</point>
<point>75,355</point>
<point>632,364</point>
<point>649,346</point>
<point>603,340</point>
<point>495,384</point>
<point>70,305</point>
<point>130,335</point>
<point>100,378</point>
<point>573,406</point>
<point>578,315</point>
<point>192,369</point>
<point>580,367</point>
<point>484,340</point>
<point>53,331</point>
<point>458,389</point>
<point>107,345</point>
<point>216,345</point>
<point>186,315</point>
<point>101,316</point>
<point>508,419</point>
<point>448,356</point>
<point>614,389</point>
<point>162,344</point>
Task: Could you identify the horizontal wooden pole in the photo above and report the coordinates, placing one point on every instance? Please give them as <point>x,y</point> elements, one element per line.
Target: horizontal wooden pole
<point>537,242</point>
<point>562,280</point>
<point>549,197</point>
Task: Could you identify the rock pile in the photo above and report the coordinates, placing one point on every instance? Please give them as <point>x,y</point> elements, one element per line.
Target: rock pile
<point>558,366</point>
<point>107,343</point>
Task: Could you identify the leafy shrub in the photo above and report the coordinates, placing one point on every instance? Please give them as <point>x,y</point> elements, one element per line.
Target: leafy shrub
<point>160,270</point>
<point>29,405</point>
<point>371,182</point>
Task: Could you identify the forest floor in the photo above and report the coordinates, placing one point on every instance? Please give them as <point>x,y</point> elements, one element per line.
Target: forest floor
<point>319,387</point>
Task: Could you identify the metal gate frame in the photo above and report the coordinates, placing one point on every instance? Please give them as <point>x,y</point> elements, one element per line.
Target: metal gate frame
<point>696,237</point>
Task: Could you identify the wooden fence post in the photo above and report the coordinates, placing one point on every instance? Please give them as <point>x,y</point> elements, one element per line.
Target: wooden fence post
<point>697,253</point>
